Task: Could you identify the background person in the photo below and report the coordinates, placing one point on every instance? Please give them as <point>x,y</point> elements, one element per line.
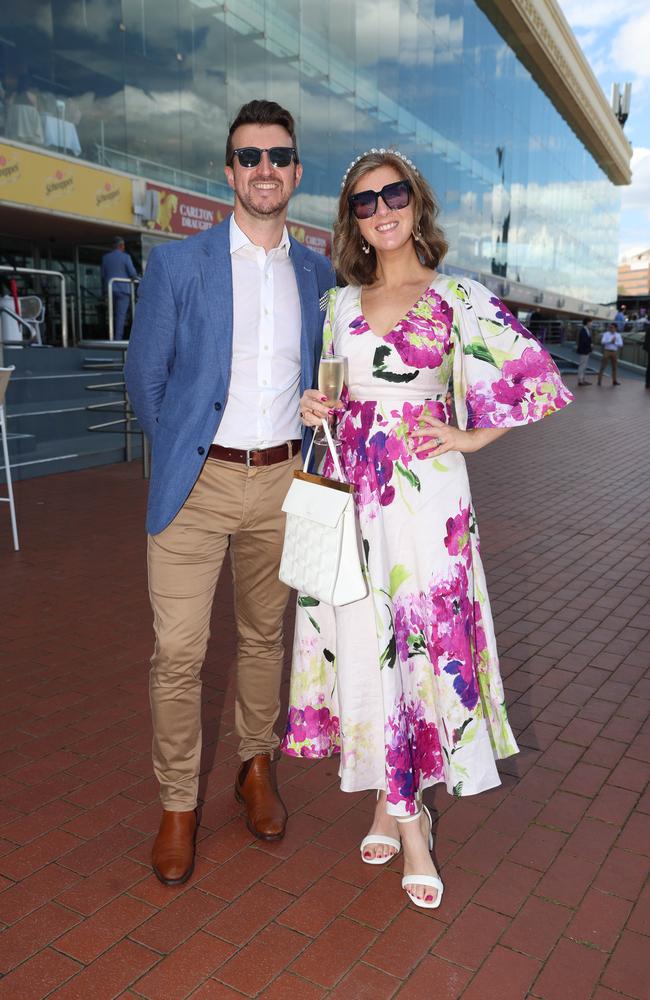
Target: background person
<point>406,682</point>
<point>227,335</point>
<point>611,342</point>
<point>583,349</point>
<point>118,264</point>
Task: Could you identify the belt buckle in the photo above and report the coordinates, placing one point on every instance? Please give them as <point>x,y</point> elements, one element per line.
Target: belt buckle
<point>249,452</point>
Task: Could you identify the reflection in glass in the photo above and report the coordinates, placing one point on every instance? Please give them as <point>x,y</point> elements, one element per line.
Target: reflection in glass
<point>149,86</point>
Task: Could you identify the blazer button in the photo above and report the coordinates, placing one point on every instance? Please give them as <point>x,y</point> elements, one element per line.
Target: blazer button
<point>217,406</point>
<point>201,451</point>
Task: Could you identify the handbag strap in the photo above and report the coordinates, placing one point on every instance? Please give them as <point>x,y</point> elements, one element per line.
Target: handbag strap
<point>332,451</point>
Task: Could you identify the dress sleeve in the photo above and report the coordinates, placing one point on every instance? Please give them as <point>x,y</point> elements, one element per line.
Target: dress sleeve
<point>503,377</point>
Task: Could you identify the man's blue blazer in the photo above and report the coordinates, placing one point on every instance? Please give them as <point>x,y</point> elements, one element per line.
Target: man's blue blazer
<point>180,353</point>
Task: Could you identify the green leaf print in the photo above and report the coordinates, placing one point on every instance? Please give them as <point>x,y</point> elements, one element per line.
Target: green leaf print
<point>389,656</point>
<point>458,735</point>
<point>309,602</point>
<point>416,645</point>
<point>479,351</point>
<point>366,549</point>
<point>398,575</point>
<point>439,466</point>
<point>408,475</point>
<point>313,622</point>
<point>379,367</point>
<point>329,655</point>
<point>458,790</point>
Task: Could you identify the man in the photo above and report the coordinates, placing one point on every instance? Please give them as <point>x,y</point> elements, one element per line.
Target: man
<point>620,319</point>
<point>227,336</point>
<point>610,342</point>
<point>118,264</point>
<point>646,348</point>
<point>583,349</point>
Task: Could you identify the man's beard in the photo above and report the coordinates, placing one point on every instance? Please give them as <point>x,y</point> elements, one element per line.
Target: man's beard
<point>264,211</point>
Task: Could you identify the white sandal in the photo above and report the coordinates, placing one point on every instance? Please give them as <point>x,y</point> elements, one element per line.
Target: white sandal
<point>384,841</point>
<point>431,881</point>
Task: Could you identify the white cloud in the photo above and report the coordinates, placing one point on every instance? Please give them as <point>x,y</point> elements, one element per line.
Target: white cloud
<point>600,13</point>
<point>631,46</point>
<point>637,195</point>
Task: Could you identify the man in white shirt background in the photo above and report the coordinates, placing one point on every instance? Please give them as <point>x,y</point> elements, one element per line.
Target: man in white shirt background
<point>226,338</point>
<point>611,342</point>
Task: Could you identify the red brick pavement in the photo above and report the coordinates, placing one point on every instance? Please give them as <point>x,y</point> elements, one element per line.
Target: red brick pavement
<point>546,877</point>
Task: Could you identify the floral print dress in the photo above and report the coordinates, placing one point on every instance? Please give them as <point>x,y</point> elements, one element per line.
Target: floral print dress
<point>406,683</point>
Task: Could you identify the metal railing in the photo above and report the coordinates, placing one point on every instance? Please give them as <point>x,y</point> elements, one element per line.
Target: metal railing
<point>111,317</point>
<point>49,274</point>
<point>161,173</point>
<point>123,423</point>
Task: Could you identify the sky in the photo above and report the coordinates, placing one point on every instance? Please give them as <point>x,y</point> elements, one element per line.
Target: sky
<point>616,40</point>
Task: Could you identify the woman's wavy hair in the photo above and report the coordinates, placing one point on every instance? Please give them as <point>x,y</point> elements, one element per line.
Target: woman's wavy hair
<point>353,266</point>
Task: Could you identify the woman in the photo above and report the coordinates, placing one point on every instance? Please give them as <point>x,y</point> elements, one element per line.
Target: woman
<point>406,682</point>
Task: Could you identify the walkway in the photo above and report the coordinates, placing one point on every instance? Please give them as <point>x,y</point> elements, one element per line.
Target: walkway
<point>546,878</point>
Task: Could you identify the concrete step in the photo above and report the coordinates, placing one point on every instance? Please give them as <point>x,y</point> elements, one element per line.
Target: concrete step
<point>66,454</point>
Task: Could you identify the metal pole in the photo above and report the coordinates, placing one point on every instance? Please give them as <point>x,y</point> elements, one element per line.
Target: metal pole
<point>77,282</point>
<point>146,457</point>
<point>128,413</point>
<point>111,331</point>
<point>64,314</point>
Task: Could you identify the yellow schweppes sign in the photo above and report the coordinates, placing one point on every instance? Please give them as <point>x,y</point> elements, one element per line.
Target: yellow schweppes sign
<point>42,181</point>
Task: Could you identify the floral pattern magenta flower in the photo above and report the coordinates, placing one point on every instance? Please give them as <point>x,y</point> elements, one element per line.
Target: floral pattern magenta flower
<point>315,729</point>
<point>422,338</point>
<point>507,318</point>
<point>413,752</point>
<point>457,537</point>
<point>529,388</point>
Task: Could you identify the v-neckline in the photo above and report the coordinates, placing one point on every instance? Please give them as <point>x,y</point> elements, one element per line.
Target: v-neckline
<point>382,336</point>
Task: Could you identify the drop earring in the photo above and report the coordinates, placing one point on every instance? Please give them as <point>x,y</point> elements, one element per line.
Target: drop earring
<point>364,246</point>
<point>417,235</point>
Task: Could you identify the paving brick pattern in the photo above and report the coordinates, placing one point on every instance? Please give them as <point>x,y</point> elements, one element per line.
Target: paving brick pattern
<point>547,892</point>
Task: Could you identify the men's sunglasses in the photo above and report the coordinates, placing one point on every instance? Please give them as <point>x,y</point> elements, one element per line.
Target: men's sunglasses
<point>396,195</point>
<point>280,156</point>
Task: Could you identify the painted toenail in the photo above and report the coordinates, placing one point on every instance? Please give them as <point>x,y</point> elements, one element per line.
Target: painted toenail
<point>429,899</point>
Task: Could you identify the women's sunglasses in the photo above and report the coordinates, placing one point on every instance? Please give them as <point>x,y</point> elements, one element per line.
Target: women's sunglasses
<point>396,195</point>
<point>280,156</point>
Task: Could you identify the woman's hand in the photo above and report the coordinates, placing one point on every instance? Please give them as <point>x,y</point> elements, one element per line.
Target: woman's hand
<point>314,408</point>
<point>435,438</point>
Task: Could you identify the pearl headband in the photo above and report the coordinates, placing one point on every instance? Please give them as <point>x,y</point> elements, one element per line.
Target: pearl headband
<point>382,151</point>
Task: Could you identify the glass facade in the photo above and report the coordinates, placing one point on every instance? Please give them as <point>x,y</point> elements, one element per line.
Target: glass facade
<point>149,86</point>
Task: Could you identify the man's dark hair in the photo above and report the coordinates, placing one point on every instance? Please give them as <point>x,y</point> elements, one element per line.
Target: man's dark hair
<point>262,113</point>
<point>118,241</point>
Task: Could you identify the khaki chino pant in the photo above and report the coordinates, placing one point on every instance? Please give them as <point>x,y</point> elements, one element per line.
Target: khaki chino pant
<point>229,503</point>
<point>608,358</point>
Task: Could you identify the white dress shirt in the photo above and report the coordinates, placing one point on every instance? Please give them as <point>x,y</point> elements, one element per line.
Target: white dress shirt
<point>611,341</point>
<point>263,404</point>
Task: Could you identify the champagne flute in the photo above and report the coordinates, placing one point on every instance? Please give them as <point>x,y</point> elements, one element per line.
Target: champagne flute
<point>330,383</point>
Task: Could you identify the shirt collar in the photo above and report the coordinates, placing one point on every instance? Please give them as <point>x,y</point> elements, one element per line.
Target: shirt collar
<point>239,239</point>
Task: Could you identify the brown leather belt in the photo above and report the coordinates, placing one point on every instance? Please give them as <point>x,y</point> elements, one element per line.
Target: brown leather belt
<point>256,456</point>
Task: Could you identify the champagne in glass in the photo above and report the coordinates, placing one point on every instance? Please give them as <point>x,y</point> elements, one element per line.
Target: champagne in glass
<point>330,383</point>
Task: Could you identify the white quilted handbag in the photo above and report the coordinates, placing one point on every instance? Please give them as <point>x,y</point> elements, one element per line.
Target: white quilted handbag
<point>321,556</point>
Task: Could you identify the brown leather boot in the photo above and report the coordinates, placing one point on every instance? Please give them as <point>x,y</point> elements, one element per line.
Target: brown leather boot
<point>266,816</point>
<point>172,855</point>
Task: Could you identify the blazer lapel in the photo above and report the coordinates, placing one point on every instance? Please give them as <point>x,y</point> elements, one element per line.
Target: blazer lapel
<point>308,293</point>
<point>216,272</point>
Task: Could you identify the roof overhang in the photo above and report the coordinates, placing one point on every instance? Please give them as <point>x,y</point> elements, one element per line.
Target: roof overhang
<point>540,35</point>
